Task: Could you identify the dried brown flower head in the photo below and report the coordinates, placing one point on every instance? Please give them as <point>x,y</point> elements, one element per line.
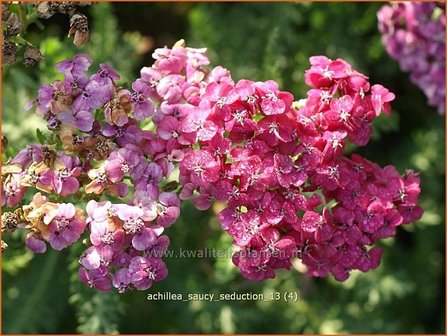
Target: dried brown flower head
<point>13,24</point>
<point>32,56</point>
<point>9,50</point>
<point>9,221</point>
<point>5,12</point>
<point>79,27</point>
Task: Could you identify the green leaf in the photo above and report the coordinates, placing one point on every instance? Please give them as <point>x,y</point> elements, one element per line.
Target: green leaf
<point>41,137</point>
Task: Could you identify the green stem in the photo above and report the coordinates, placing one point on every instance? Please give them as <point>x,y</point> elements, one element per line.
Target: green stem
<point>31,18</point>
<point>22,15</point>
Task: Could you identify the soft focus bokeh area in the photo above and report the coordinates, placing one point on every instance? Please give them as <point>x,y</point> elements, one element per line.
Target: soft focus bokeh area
<point>259,41</point>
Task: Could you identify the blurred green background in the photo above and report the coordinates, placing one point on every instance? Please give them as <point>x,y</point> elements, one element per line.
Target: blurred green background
<point>259,41</point>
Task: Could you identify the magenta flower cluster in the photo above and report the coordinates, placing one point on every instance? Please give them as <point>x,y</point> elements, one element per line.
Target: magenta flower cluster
<point>277,164</point>
<point>289,190</point>
<point>414,34</point>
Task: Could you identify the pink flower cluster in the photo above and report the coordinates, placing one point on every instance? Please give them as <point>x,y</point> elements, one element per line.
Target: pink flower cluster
<point>278,165</point>
<point>124,238</point>
<point>290,192</point>
<point>414,34</point>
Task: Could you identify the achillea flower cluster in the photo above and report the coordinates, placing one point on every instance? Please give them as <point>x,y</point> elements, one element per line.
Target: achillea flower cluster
<point>277,164</point>
<point>414,34</point>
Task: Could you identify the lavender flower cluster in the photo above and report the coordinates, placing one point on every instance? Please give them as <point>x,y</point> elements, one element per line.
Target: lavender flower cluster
<point>278,166</point>
<point>413,33</point>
